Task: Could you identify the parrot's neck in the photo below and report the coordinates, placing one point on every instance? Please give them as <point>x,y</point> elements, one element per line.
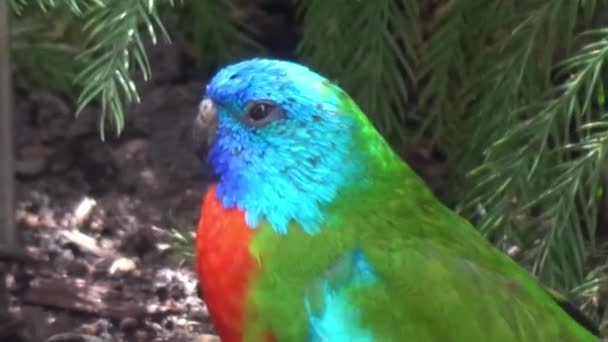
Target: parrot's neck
<point>285,194</point>
<point>293,180</point>
<point>282,193</point>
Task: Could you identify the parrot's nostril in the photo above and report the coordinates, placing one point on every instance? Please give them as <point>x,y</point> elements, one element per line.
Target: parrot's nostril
<point>207,112</point>
<point>203,130</point>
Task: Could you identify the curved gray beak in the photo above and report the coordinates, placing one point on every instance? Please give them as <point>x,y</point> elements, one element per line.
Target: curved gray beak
<point>204,128</point>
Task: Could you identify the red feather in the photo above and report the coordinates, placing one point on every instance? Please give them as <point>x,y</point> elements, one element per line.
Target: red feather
<point>224,265</point>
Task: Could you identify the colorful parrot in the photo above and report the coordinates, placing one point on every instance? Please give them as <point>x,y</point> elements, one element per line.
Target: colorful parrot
<point>315,230</point>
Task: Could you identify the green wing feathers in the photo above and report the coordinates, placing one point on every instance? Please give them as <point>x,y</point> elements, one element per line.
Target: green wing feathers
<point>454,285</point>
<point>438,278</point>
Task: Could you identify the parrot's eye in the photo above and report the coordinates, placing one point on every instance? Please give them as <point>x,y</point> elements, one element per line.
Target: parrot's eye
<point>261,113</point>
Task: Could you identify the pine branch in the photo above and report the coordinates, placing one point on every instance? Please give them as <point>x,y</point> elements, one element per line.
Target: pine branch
<point>566,163</point>
<point>536,155</point>
<point>216,33</point>
<point>78,7</point>
<point>44,54</point>
<point>370,48</point>
<point>114,50</point>
<point>42,60</point>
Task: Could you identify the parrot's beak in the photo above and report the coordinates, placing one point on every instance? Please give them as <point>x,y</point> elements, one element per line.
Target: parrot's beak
<point>204,129</point>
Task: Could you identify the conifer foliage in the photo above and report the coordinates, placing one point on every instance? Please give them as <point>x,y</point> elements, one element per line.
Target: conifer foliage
<point>511,91</point>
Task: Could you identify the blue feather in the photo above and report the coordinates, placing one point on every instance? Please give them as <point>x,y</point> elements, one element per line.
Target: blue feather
<point>259,168</point>
<point>335,319</point>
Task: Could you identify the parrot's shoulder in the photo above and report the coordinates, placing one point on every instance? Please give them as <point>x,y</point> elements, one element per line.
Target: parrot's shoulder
<point>392,261</point>
<point>442,268</point>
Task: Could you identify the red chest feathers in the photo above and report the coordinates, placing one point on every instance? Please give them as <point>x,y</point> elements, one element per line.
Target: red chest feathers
<point>224,265</point>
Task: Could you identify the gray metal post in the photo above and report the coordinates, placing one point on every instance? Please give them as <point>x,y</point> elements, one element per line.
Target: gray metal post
<point>8,234</point>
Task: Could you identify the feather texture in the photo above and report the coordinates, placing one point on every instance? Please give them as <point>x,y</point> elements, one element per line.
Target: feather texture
<point>224,265</point>
<point>348,242</point>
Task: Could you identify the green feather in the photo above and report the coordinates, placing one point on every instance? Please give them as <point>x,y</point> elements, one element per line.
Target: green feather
<point>439,279</point>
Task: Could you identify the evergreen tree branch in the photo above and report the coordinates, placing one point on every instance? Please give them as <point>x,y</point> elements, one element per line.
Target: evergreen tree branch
<point>563,161</point>
<point>42,59</point>
<point>113,50</point>
<point>535,155</point>
<point>217,34</point>
<point>370,48</point>
<point>78,7</point>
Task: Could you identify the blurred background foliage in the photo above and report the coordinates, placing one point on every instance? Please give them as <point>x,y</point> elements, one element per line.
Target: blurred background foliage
<point>510,93</point>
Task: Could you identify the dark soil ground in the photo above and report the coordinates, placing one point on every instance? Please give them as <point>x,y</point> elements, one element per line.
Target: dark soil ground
<point>97,218</point>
